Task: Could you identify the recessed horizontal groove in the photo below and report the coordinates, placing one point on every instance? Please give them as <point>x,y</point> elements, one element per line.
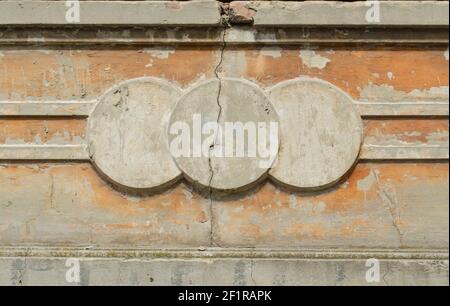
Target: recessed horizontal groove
<point>212,253</point>
<point>150,13</point>
<point>57,108</point>
<point>235,36</point>
<point>44,152</point>
<point>84,108</point>
<point>212,42</point>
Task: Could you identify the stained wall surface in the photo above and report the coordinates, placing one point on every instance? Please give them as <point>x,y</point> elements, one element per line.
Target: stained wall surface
<point>393,204</point>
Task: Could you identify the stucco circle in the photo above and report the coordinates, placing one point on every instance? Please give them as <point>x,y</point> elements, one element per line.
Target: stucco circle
<point>321,133</point>
<point>127,134</point>
<point>228,101</point>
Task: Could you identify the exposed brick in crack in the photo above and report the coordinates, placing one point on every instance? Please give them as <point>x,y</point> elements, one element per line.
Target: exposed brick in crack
<point>239,12</point>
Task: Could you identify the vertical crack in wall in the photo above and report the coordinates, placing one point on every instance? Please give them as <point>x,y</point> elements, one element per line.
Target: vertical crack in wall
<point>52,192</point>
<point>252,270</point>
<point>390,200</point>
<point>388,271</point>
<point>219,115</point>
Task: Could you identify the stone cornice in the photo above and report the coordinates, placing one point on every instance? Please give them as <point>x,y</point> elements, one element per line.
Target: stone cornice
<point>209,13</point>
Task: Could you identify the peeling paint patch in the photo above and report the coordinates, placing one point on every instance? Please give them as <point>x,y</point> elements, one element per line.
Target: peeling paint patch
<point>36,131</point>
<point>368,182</point>
<point>162,53</point>
<point>237,34</point>
<point>274,52</point>
<point>386,92</point>
<point>416,132</point>
<point>313,60</point>
<point>234,64</point>
<point>9,141</point>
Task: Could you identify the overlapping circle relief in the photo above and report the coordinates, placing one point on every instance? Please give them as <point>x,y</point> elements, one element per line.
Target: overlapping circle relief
<point>320,133</point>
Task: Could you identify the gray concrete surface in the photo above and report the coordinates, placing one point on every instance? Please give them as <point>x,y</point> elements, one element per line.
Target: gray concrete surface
<point>127,134</point>
<point>151,13</point>
<point>264,13</point>
<point>239,271</point>
<point>320,127</point>
<point>225,101</point>
<point>392,13</point>
<point>394,211</point>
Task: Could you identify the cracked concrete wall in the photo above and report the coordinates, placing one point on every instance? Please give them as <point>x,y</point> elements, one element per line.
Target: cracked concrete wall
<point>68,204</point>
<point>390,203</point>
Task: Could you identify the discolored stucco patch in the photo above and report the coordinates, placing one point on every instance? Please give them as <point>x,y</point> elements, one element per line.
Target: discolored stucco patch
<point>42,131</point>
<point>274,52</point>
<point>313,60</point>
<point>83,74</point>
<point>386,92</point>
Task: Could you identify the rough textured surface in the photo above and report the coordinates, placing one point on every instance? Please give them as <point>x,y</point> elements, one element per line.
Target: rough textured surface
<point>223,101</point>
<point>187,13</point>
<point>240,13</point>
<point>47,109</point>
<point>59,139</point>
<point>392,13</point>
<point>42,131</point>
<point>321,133</point>
<point>207,272</point>
<point>380,206</point>
<point>392,206</point>
<point>69,204</point>
<point>266,13</point>
<point>378,109</point>
<point>36,74</point>
<point>128,134</point>
<point>386,206</point>
<point>408,138</point>
<point>44,152</point>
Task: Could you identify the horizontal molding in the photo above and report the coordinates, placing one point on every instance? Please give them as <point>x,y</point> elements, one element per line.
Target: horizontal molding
<point>422,152</point>
<point>26,271</point>
<point>209,253</point>
<point>330,13</point>
<point>378,109</point>
<point>56,108</point>
<point>337,35</point>
<point>127,35</point>
<point>80,152</point>
<point>201,13</point>
<point>84,108</point>
<point>150,13</point>
<point>44,152</point>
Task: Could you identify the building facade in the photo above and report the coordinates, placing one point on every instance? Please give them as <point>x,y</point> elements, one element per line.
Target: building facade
<point>91,192</point>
